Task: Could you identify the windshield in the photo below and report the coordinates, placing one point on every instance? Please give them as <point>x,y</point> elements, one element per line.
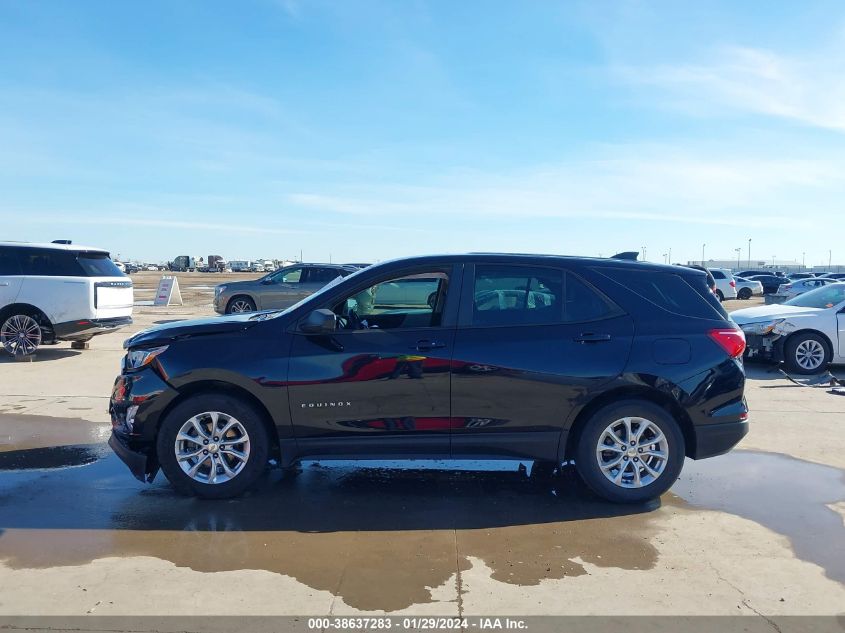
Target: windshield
<point>821,298</point>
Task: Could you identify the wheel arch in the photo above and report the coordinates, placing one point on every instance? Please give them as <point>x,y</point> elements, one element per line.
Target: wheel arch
<point>808,330</point>
<point>246,294</point>
<point>633,392</point>
<point>33,311</point>
<point>218,387</point>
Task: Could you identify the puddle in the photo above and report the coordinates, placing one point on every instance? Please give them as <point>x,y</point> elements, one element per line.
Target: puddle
<point>21,432</point>
<point>787,495</point>
<point>381,537</point>
<point>52,457</point>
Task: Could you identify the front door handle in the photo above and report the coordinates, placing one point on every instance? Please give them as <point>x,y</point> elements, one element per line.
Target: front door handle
<point>590,337</point>
<point>4,283</point>
<point>425,345</point>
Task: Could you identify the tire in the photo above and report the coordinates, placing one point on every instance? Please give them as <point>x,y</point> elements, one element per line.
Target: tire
<point>247,423</point>
<point>806,353</point>
<point>669,443</point>
<point>21,334</point>
<point>720,296</point>
<point>744,294</point>
<point>240,304</point>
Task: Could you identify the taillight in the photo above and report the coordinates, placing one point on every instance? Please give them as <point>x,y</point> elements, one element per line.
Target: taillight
<point>730,340</point>
<point>733,284</point>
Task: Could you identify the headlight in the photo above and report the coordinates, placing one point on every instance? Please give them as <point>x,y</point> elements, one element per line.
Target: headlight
<point>762,328</point>
<point>137,358</point>
<point>219,290</point>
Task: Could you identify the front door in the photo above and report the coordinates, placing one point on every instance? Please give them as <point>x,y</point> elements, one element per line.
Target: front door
<point>10,276</point>
<point>531,343</point>
<point>283,288</point>
<point>379,385</point>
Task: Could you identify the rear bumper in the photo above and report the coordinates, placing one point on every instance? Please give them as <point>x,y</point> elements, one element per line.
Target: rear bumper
<point>86,328</point>
<point>715,439</point>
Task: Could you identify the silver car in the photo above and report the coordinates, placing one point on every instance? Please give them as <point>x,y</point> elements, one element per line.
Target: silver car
<point>279,289</point>
<point>795,287</point>
<point>746,288</point>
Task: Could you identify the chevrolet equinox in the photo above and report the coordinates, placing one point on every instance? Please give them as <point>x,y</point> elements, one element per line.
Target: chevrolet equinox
<point>622,367</point>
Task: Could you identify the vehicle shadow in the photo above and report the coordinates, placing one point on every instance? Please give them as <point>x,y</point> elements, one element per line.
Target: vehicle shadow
<point>320,497</point>
<point>42,354</point>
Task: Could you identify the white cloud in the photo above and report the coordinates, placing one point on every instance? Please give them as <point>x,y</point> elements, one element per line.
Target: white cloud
<point>659,183</point>
<point>809,89</point>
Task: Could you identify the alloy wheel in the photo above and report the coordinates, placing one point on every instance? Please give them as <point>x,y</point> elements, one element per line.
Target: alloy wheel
<point>212,447</point>
<point>632,452</point>
<point>809,354</point>
<point>20,335</point>
<point>241,305</point>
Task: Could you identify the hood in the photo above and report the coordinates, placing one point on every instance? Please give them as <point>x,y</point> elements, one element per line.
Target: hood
<point>195,327</point>
<point>769,312</point>
<point>244,283</point>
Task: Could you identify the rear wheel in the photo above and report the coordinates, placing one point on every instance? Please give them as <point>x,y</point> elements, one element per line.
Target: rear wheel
<point>20,334</point>
<point>240,304</point>
<point>806,353</point>
<point>630,452</point>
<point>212,446</point>
<point>720,295</point>
<point>744,294</point>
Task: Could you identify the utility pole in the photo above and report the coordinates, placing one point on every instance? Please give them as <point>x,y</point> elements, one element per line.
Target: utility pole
<point>749,252</point>
<point>738,251</point>
<point>702,254</point>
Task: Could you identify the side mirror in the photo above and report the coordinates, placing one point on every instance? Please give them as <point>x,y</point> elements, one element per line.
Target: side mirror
<point>322,321</point>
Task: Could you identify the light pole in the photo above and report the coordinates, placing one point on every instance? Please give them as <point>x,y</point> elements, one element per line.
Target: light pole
<point>738,251</point>
<point>803,260</point>
<point>773,260</point>
<point>644,253</point>
<point>702,254</point>
<point>829,260</point>
<point>665,256</point>
<point>749,252</point>
<point>670,255</point>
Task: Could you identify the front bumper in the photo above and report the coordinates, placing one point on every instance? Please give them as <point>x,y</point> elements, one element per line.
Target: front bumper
<point>764,346</point>
<point>84,329</point>
<point>140,464</point>
<point>137,403</point>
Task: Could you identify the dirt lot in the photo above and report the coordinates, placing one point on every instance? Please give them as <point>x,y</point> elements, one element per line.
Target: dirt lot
<point>758,531</point>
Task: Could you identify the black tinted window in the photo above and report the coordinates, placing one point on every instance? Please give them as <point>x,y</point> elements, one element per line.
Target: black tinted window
<point>687,295</point>
<point>98,265</point>
<point>9,262</point>
<point>517,295</point>
<point>584,303</point>
<point>322,275</point>
<point>50,263</point>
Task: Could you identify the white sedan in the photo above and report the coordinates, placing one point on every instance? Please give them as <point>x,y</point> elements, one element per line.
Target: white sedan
<point>800,286</point>
<point>807,332</point>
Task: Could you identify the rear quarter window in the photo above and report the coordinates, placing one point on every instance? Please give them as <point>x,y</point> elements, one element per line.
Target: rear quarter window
<point>687,295</point>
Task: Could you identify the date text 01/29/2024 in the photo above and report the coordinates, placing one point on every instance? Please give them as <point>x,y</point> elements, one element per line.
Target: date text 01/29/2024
<point>417,623</point>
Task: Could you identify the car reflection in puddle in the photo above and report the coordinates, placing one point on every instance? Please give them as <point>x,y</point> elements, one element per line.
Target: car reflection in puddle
<point>381,534</point>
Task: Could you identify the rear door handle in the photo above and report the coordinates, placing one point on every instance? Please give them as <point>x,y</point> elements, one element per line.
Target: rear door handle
<point>426,345</point>
<point>589,337</point>
<point>4,283</point>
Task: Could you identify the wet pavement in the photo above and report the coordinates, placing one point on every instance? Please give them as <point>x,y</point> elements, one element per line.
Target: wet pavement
<point>382,534</point>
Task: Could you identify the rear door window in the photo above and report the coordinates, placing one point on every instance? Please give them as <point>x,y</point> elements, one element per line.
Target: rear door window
<point>517,295</point>
<point>9,262</point>
<point>585,303</point>
<point>322,275</point>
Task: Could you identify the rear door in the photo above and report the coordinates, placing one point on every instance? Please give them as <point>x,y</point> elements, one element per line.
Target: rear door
<point>532,342</point>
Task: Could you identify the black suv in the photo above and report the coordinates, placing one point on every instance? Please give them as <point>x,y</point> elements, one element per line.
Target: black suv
<point>622,367</point>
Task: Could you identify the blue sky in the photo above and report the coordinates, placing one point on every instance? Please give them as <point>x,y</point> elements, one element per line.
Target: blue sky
<point>363,131</point>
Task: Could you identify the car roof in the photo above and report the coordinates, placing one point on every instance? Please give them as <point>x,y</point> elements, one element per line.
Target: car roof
<point>536,259</point>
<point>52,246</point>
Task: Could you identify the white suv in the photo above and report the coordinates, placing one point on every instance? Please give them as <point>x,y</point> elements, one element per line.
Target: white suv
<point>59,292</point>
<point>725,283</point>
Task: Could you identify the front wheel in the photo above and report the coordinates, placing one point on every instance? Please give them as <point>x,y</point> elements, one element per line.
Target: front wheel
<point>630,452</point>
<point>240,304</point>
<point>20,334</point>
<point>806,353</point>
<point>212,446</point>
<point>720,296</point>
